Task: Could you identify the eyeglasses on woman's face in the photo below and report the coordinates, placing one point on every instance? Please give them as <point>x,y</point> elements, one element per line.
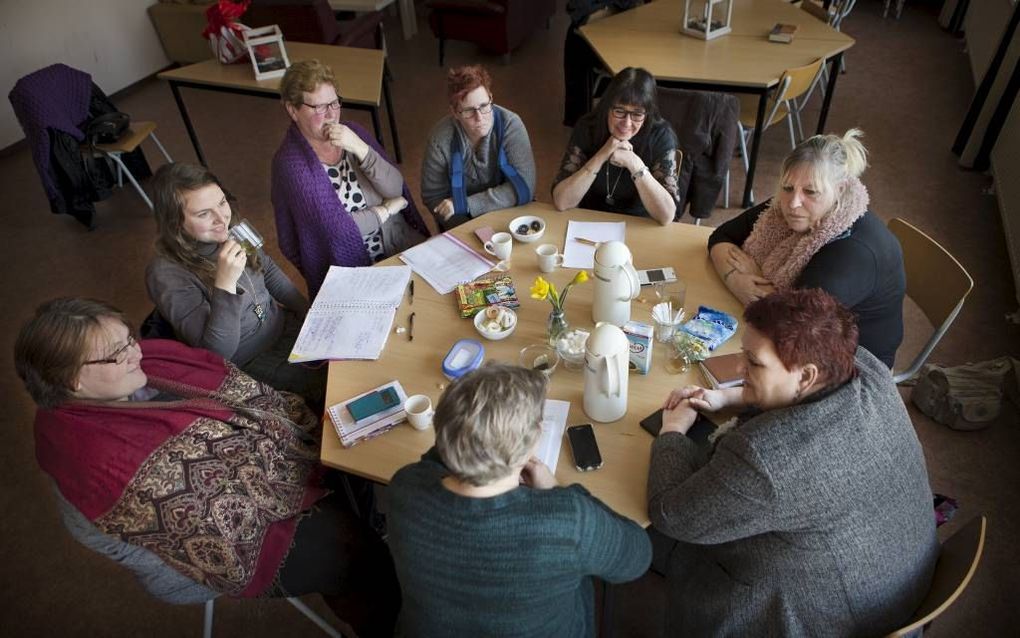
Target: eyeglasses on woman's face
<point>481,109</point>
<point>322,109</point>
<point>118,356</point>
<point>635,116</point>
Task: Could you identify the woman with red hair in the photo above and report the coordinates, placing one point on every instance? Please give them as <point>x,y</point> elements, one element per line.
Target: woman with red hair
<point>478,157</point>
<point>812,516</point>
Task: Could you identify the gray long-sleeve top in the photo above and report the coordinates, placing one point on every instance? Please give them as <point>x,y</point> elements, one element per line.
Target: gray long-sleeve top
<point>486,186</point>
<point>211,318</point>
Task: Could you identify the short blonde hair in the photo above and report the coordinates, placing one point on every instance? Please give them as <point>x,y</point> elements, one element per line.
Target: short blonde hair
<point>487,422</point>
<point>832,159</point>
<point>304,77</point>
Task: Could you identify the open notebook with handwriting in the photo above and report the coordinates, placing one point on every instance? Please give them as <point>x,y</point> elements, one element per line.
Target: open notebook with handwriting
<point>352,315</point>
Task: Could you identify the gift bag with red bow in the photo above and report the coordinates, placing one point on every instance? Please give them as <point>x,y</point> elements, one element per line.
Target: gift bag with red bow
<point>225,32</point>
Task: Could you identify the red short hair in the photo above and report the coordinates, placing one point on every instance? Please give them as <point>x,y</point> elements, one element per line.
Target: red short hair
<point>463,80</point>
<point>808,326</point>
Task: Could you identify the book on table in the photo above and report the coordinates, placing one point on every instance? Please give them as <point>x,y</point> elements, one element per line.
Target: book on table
<point>352,432</point>
<point>352,315</point>
<point>723,371</point>
<point>782,33</point>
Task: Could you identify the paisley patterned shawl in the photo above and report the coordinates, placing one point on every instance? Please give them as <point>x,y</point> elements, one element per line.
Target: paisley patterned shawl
<point>782,254</point>
<point>213,484</point>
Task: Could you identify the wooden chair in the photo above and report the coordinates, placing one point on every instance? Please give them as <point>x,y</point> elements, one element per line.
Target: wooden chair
<point>782,105</point>
<point>936,282</point>
<point>136,134</point>
<point>958,560</point>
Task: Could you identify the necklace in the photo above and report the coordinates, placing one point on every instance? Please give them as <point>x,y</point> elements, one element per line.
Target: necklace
<point>611,191</point>
<point>260,312</point>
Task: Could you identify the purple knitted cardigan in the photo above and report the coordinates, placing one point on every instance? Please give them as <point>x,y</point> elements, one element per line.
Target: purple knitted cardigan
<point>314,229</point>
<point>54,97</point>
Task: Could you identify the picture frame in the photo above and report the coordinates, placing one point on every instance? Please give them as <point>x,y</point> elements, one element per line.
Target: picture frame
<point>267,52</point>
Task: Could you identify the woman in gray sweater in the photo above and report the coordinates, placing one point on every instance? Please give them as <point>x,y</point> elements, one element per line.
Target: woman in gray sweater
<point>478,158</point>
<point>216,295</point>
<point>813,515</point>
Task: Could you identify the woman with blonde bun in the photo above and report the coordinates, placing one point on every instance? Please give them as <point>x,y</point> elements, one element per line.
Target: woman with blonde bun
<point>818,232</point>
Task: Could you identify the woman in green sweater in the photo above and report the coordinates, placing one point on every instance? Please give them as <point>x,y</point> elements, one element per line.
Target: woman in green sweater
<point>485,541</point>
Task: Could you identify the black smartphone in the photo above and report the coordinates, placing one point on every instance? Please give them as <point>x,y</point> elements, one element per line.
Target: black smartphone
<point>584,447</point>
<point>698,433</point>
<point>373,403</point>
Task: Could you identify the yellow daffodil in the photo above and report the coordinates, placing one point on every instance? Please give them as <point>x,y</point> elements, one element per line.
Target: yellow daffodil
<point>580,277</point>
<point>540,289</point>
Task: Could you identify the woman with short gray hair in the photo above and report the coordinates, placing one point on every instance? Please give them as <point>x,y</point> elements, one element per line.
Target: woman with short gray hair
<point>818,232</point>
<point>484,539</point>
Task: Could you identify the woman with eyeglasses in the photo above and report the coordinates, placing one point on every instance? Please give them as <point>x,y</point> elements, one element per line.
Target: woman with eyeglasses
<point>621,157</point>
<point>338,199</point>
<point>478,158</point>
<point>218,294</point>
<point>200,479</point>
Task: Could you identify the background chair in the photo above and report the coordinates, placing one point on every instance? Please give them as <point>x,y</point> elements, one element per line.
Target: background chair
<point>156,577</point>
<point>136,134</point>
<point>706,129</point>
<point>497,26</point>
<point>936,282</point>
<point>958,560</point>
<point>781,105</point>
<point>314,21</point>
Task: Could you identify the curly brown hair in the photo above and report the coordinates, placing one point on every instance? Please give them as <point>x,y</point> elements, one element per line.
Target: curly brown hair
<point>464,79</point>
<point>169,185</point>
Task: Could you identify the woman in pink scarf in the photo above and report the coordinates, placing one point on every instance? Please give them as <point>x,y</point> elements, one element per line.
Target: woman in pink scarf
<point>172,449</point>
<point>817,232</point>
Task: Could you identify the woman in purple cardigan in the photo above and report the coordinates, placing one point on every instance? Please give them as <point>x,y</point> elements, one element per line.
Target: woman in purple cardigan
<point>338,200</point>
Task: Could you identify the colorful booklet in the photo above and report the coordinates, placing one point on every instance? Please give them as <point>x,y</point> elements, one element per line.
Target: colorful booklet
<point>493,291</point>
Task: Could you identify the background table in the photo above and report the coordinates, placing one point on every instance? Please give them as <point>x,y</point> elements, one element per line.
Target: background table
<point>359,72</point>
<point>744,61</point>
<point>408,19</point>
<point>437,325</point>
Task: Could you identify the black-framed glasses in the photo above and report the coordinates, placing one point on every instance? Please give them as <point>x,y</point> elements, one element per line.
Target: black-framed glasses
<point>635,116</point>
<point>481,109</point>
<point>322,109</point>
<point>119,355</point>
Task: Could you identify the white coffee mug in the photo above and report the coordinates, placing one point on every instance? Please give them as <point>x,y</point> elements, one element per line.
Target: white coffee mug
<point>549,259</point>
<point>419,411</point>
<point>500,245</point>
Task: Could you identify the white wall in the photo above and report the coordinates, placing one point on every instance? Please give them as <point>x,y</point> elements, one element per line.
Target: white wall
<point>112,40</point>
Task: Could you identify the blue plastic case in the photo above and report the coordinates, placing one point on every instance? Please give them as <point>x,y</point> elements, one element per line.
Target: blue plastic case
<point>463,357</point>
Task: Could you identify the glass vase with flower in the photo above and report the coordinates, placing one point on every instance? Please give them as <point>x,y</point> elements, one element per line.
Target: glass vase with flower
<point>556,324</point>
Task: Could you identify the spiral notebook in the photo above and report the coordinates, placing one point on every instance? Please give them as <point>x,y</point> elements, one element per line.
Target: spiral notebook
<point>352,432</point>
<point>352,315</point>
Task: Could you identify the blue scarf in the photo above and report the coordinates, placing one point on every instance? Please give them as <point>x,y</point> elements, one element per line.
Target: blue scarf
<point>460,204</point>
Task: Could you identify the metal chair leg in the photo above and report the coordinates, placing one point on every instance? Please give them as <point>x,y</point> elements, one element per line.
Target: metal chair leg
<point>726,189</point>
<point>162,150</point>
<point>207,622</point>
<point>742,134</point>
<point>116,158</point>
<point>315,618</point>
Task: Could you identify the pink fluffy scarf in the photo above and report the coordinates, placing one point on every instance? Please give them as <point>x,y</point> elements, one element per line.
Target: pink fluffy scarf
<point>782,254</point>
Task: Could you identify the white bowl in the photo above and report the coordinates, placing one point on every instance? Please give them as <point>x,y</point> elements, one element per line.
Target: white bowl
<point>494,335</point>
<point>533,235</point>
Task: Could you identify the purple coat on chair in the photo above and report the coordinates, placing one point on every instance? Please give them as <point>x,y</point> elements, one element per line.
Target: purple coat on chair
<point>305,202</point>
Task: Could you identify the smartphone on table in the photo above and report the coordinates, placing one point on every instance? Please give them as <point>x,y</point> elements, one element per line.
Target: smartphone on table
<point>584,447</point>
<point>373,403</point>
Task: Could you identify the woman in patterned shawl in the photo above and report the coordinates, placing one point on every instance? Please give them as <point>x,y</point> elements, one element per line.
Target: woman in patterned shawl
<point>174,450</point>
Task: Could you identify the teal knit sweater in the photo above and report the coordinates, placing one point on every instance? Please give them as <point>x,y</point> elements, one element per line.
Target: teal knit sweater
<point>517,564</point>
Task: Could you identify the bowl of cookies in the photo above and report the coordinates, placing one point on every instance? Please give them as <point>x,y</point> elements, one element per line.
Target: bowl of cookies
<point>527,228</point>
<point>495,322</point>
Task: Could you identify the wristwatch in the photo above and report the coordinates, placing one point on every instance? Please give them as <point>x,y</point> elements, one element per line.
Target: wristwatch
<point>638,174</point>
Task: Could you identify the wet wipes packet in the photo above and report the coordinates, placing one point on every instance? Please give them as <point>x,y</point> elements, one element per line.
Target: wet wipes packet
<point>712,327</point>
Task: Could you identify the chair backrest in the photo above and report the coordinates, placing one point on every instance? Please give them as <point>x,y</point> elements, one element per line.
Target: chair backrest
<point>816,10</point>
<point>801,79</point>
<point>936,282</point>
<point>958,560</point>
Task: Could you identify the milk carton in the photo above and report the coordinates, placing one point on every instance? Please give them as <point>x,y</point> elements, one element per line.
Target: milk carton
<point>641,337</point>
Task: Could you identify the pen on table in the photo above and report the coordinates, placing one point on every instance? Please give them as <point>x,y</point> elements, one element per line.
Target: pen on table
<point>410,327</point>
<point>412,292</point>
<point>585,240</point>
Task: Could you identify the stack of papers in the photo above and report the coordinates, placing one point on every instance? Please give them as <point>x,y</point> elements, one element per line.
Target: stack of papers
<point>445,262</point>
<point>582,255</point>
<point>352,315</point>
<point>351,432</point>
<point>554,422</point>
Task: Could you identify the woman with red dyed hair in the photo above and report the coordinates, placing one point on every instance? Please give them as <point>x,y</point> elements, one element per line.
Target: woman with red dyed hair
<point>478,158</point>
<point>812,515</point>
